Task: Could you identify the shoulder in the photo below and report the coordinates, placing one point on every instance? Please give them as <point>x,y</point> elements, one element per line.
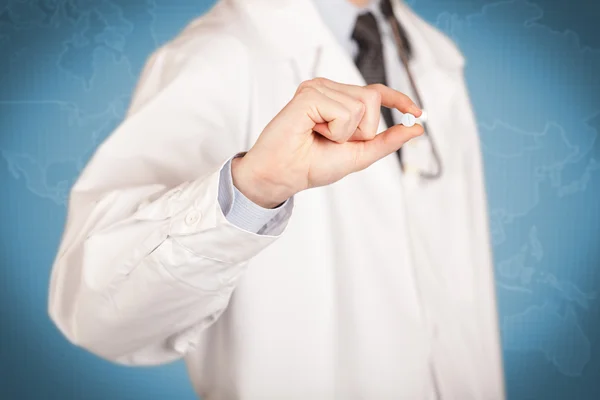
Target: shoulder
<point>220,29</point>
<point>217,38</point>
<point>211,48</point>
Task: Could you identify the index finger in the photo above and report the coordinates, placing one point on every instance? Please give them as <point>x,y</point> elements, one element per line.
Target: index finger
<point>391,98</point>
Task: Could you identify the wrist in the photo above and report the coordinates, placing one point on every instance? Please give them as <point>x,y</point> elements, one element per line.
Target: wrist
<point>257,185</point>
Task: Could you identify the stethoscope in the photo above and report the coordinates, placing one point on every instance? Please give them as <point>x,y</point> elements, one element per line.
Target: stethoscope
<point>403,49</point>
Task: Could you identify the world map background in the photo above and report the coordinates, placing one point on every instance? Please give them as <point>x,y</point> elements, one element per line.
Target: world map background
<point>67,70</point>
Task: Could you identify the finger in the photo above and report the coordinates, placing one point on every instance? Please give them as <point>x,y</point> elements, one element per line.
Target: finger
<point>391,98</point>
<point>356,107</point>
<point>332,119</point>
<point>384,144</point>
<point>367,128</point>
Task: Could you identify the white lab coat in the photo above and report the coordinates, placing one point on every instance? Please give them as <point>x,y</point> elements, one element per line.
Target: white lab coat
<point>379,286</point>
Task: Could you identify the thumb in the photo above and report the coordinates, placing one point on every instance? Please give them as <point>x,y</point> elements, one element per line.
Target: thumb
<point>384,144</point>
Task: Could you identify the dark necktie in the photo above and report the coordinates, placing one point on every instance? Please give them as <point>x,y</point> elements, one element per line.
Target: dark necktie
<point>369,59</point>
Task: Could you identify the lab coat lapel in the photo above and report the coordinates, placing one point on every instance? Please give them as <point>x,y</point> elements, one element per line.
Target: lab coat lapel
<point>437,68</point>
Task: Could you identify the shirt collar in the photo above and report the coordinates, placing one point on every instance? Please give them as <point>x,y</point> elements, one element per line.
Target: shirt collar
<point>340,16</point>
<point>292,29</point>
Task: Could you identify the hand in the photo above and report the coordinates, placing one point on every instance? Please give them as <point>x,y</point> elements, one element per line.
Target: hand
<point>327,131</point>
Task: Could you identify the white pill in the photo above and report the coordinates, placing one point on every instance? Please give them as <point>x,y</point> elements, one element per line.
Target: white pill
<point>408,120</point>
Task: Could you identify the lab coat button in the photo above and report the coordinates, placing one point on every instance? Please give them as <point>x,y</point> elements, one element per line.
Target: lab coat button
<point>192,218</point>
<point>180,347</point>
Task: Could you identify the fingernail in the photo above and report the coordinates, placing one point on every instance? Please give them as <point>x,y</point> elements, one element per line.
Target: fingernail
<point>415,109</point>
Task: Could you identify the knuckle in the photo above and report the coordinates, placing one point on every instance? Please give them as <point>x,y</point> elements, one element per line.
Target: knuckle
<point>306,92</point>
<point>373,97</point>
<point>319,81</point>
<point>359,109</point>
<point>305,85</point>
<point>346,115</point>
<point>377,86</point>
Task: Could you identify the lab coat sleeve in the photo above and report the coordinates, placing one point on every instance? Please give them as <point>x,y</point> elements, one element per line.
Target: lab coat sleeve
<point>147,259</point>
<point>482,251</point>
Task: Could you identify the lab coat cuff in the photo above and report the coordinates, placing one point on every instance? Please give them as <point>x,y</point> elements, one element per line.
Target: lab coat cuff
<point>204,229</point>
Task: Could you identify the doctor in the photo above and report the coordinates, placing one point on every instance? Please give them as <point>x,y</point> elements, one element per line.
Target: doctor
<point>319,264</point>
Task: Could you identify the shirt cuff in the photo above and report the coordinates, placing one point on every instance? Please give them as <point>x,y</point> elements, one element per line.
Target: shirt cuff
<point>238,209</point>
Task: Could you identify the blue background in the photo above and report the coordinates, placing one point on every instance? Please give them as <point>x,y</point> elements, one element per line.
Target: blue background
<point>67,69</point>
